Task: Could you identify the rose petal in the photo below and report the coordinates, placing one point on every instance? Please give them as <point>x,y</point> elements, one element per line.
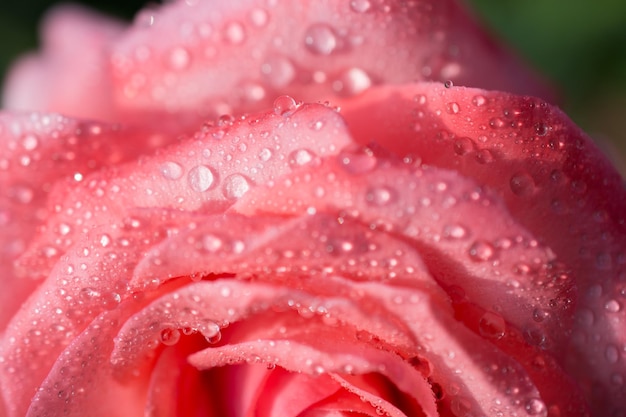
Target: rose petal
<point>69,75</point>
<point>184,59</point>
<point>37,151</point>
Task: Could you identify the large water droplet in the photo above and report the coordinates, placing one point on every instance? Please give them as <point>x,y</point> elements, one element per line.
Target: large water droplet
<point>522,184</point>
<point>201,178</point>
<point>284,105</point>
<point>612,306</point>
<point>492,325</point>
<point>320,39</point>
<point>463,146</point>
<point>235,186</point>
<point>171,170</point>
<point>481,251</point>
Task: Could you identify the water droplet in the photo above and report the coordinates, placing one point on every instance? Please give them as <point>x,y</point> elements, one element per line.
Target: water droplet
<point>357,160</point>
<point>211,332</point>
<point>265,154</point>
<point>360,6</point>
<point>535,336</point>
<point>178,59</point>
<point>479,101</point>
<point>201,178</point>
<point>522,184</point>
<point>380,196</point>
<point>259,17</point>
<point>105,240</point>
<point>453,108</point>
<point>171,170</point>
<point>169,337</point>
<point>278,71</point>
<point>320,39</point>
<point>455,231</point>
<point>284,105</point>
<point>463,146</point>
<point>611,354</point>
<point>497,122</point>
<point>612,306</point>
<point>484,156</point>
<point>481,251</point>
<point>448,84</point>
<point>30,142</point>
<point>540,315</point>
<point>301,157</point>
<point>492,325</point>
<point>234,33</point>
<point>541,129</point>
<point>235,186</point>
<point>536,407</point>
<point>212,243</point>
<point>352,82</point>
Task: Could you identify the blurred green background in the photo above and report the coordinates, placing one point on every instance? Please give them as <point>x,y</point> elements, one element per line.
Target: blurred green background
<point>579,45</point>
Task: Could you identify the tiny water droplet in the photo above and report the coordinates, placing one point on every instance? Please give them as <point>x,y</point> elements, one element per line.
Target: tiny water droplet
<point>201,178</point>
<point>320,39</point>
<point>360,6</point>
<point>284,105</point>
<point>301,157</point>
<point>234,33</point>
<point>357,160</point>
<point>481,251</point>
<point>380,196</point>
<point>522,184</point>
<point>178,59</point>
<point>492,325</point>
<point>479,101</point>
<point>448,84</point>
<point>536,407</point>
<point>455,231</point>
<point>484,156</point>
<point>171,170</point>
<point>212,243</point>
<point>453,108</point>
<point>169,336</point>
<point>463,146</point>
<point>612,306</point>
<point>352,82</point>
<point>235,186</point>
<point>265,154</point>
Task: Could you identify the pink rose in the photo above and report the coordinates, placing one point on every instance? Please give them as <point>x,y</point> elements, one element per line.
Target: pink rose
<point>190,240</point>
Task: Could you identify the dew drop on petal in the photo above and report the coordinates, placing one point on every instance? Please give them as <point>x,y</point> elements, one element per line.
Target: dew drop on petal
<point>320,39</point>
<point>484,156</point>
<point>522,184</point>
<point>455,231</point>
<point>479,101</point>
<point>265,154</point>
<point>171,170</point>
<point>301,157</point>
<point>492,325</point>
<point>611,354</point>
<point>178,59</point>
<point>612,306</point>
<point>169,336</point>
<point>235,186</point>
<point>212,243</point>
<point>284,105</point>
<point>380,196</point>
<point>352,82</point>
<point>201,178</point>
<point>360,6</point>
<point>536,407</point>
<point>481,251</point>
<point>234,33</point>
<point>453,108</point>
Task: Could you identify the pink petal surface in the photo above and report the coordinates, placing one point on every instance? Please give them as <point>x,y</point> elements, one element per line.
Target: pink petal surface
<point>164,66</point>
<point>39,150</point>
